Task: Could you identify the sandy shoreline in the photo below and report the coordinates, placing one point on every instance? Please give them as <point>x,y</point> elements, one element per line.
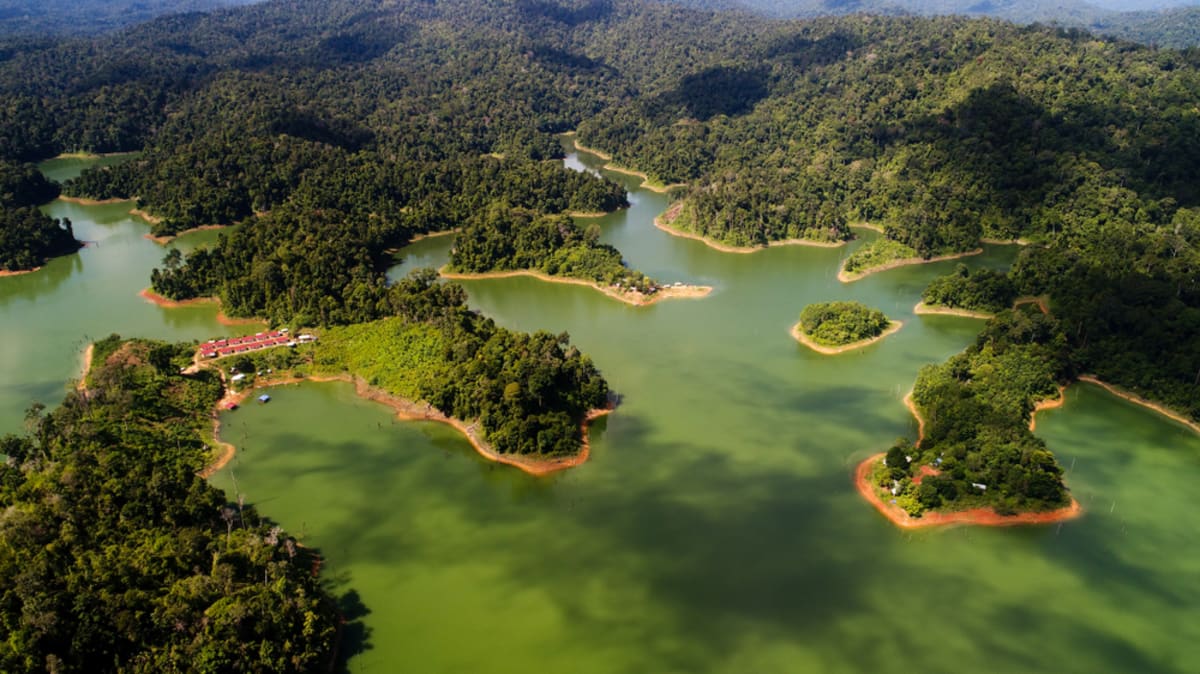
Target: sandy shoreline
<point>912,408</point>
<point>84,201</point>
<point>1138,400</point>
<point>800,336</point>
<point>19,272</point>
<point>662,222</point>
<point>409,410</point>
<point>847,277</point>
<point>1047,404</point>
<point>154,298</point>
<point>168,238</point>
<point>631,297</point>
<point>152,219</point>
<point>1004,242</point>
<point>646,182</point>
<point>975,516</point>
<point>88,354</point>
<point>923,309</point>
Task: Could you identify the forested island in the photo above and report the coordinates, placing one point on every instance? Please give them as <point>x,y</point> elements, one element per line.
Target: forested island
<point>118,556</point>
<point>504,241</point>
<point>28,238</point>
<point>836,327</point>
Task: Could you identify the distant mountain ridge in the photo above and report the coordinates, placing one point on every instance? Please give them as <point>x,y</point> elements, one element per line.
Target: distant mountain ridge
<point>81,17</point>
<point>1167,23</point>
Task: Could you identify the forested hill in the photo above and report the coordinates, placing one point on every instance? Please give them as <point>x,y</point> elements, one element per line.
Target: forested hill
<point>1147,23</point>
<point>368,120</point>
<point>75,17</point>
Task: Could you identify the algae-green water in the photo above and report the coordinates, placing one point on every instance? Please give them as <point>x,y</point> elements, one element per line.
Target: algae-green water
<point>715,527</point>
<point>48,317</point>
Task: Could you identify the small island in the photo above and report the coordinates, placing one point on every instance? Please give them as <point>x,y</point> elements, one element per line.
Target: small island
<point>506,242</point>
<point>837,327</point>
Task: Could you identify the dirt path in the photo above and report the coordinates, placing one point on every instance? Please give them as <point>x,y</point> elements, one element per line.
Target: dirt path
<point>804,339</point>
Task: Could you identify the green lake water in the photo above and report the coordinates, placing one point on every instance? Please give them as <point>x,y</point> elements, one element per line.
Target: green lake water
<point>47,318</point>
<point>716,527</point>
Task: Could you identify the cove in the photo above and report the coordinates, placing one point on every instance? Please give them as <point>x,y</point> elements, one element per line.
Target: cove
<point>47,318</point>
<point>715,527</point>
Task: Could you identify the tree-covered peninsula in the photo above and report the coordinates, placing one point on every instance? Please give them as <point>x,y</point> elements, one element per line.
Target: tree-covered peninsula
<point>835,327</point>
<point>976,449</point>
<point>27,236</point>
<point>983,291</point>
<point>118,556</point>
<point>503,241</point>
<point>528,393</point>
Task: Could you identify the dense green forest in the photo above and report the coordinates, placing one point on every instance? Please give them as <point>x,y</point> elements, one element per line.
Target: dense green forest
<point>877,254</point>
<point>504,239</point>
<point>1178,27</point>
<point>117,556</point>
<point>984,290</point>
<point>48,17</point>
<point>334,130</point>
<point>27,236</point>
<point>529,392</point>
<point>977,408</point>
<point>841,323</point>
<point>753,208</point>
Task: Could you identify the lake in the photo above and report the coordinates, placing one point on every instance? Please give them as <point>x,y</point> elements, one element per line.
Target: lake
<point>716,527</point>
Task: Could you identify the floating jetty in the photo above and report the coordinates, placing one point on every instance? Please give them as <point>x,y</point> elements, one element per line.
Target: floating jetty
<point>219,348</point>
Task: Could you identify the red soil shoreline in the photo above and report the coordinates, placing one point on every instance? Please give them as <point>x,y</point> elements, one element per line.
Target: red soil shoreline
<point>154,298</point>
<point>976,516</point>
<point>986,517</point>
<point>409,410</point>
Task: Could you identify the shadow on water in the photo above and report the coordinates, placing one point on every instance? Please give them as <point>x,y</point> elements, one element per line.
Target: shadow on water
<point>356,636</point>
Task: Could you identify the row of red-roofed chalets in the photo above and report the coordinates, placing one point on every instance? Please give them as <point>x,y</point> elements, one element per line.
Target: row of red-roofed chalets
<point>219,348</point>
